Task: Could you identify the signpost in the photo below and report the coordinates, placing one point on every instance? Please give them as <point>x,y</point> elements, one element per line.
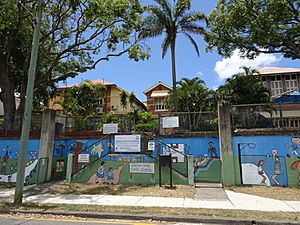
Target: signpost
<point>127,143</point>
<point>84,158</point>
<point>110,128</point>
<point>151,145</point>
<point>142,168</point>
<point>170,122</point>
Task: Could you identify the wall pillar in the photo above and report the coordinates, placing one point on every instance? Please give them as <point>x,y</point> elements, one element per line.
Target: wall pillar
<point>225,138</point>
<point>47,138</point>
<point>190,162</point>
<point>69,167</point>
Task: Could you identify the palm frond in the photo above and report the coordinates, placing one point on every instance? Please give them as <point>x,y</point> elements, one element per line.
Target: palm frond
<point>193,43</point>
<point>181,7</point>
<point>151,27</point>
<point>159,13</point>
<point>165,45</point>
<point>192,28</point>
<point>193,17</point>
<point>166,7</point>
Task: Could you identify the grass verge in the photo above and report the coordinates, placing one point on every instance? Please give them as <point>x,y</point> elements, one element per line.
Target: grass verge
<point>242,214</point>
<point>179,191</point>
<point>280,193</point>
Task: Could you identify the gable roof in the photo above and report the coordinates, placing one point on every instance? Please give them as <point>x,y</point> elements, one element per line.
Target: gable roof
<point>277,70</point>
<point>155,85</point>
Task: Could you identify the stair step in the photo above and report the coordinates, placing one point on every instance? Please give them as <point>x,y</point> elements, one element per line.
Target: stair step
<point>208,185</point>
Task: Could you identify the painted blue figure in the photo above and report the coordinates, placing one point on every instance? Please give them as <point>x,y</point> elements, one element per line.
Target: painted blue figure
<point>101,174</point>
<point>212,150</point>
<point>110,176</point>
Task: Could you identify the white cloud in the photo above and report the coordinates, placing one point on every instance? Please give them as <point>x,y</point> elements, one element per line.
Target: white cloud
<point>227,67</point>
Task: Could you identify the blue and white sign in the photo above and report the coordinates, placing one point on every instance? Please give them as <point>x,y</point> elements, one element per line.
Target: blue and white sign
<point>127,143</point>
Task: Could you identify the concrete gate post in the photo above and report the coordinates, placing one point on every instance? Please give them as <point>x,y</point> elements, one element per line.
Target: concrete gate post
<point>47,138</point>
<point>225,138</point>
<point>190,161</point>
<point>69,167</point>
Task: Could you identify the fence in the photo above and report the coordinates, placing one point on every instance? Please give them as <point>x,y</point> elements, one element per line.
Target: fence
<point>195,121</point>
<point>11,125</point>
<point>274,115</point>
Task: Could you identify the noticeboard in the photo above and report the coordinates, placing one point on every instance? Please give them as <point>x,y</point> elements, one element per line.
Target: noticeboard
<point>127,143</point>
<point>110,128</point>
<point>170,122</point>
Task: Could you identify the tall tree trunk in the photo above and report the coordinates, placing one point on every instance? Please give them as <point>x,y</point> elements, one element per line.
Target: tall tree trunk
<point>174,73</point>
<point>8,95</point>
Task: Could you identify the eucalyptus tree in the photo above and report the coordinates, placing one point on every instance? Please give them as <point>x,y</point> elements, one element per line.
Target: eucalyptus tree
<point>172,21</point>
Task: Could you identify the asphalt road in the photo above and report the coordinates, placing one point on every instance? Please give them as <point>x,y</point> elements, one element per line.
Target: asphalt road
<point>55,221</point>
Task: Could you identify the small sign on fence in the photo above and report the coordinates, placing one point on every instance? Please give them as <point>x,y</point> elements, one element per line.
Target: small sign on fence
<point>170,122</point>
<point>127,143</point>
<point>110,128</point>
<point>151,145</point>
<point>141,168</point>
<point>84,158</point>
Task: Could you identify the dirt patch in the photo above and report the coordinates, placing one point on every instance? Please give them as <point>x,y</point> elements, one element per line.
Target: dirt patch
<point>280,193</point>
<point>178,191</point>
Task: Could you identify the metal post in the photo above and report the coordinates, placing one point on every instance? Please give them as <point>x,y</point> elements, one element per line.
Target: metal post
<point>240,162</point>
<point>170,166</point>
<point>28,108</point>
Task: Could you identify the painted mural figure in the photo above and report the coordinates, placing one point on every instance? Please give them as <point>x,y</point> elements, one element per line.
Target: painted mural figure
<point>296,166</point>
<point>277,169</point>
<point>4,164</point>
<point>212,150</point>
<point>261,171</point>
<point>110,176</point>
<point>101,173</point>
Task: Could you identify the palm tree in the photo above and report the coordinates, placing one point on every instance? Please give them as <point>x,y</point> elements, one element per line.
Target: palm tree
<point>172,21</point>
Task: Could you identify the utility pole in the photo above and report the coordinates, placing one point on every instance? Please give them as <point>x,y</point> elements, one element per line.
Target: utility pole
<point>28,106</point>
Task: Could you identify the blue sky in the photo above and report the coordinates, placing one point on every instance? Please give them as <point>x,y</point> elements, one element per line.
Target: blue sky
<point>210,67</point>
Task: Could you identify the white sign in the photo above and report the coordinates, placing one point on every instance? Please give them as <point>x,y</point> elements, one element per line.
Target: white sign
<point>151,145</point>
<point>178,155</point>
<point>127,143</point>
<point>110,128</point>
<point>141,168</point>
<point>84,158</point>
<point>170,122</point>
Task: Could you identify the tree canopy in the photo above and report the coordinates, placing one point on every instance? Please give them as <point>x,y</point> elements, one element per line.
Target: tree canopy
<point>75,37</point>
<point>256,26</point>
<point>192,95</point>
<point>83,99</point>
<point>244,89</point>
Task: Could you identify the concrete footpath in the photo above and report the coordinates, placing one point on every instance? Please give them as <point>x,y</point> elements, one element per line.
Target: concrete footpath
<point>209,198</point>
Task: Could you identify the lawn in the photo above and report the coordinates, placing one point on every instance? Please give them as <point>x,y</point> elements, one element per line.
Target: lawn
<point>178,191</point>
<point>280,193</point>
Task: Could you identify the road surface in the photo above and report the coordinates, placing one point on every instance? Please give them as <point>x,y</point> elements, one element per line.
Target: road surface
<point>21,220</point>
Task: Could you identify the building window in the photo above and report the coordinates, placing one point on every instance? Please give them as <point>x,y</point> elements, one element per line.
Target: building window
<point>276,85</point>
<point>160,104</point>
<point>291,83</point>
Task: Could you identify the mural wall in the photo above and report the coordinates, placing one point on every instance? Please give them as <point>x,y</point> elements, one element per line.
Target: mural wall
<point>206,153</point>
<point>269,160</point>
<point>9,154</point>
<point>96,162</point>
